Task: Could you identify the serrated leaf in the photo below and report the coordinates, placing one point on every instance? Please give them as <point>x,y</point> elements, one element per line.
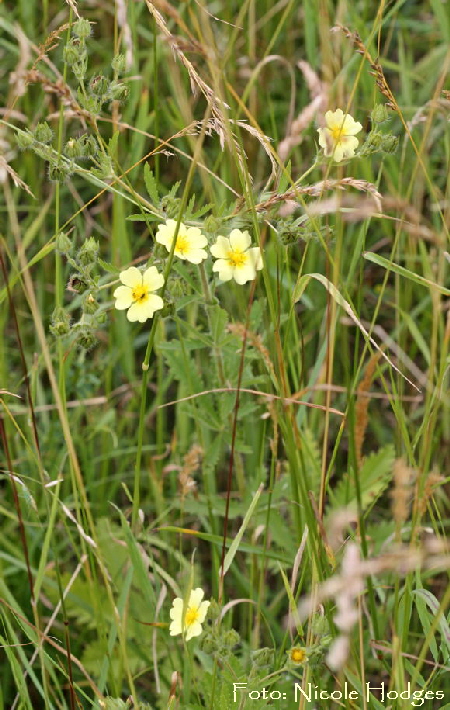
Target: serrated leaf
<point>108,267</point>
<point>374,477</point>
<point>151,185</point>
<point>112,145</point>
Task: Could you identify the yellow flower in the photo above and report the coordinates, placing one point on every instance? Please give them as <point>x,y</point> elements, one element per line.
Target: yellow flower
<point>188,618</point>
<point>190,241</point>
<point>234,258</point>
<point>338,137</point>
<point>297,655</point>
<point>137,293</point>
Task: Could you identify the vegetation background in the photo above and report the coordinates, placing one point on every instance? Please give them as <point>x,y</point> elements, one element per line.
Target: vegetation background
<point>286,438</point>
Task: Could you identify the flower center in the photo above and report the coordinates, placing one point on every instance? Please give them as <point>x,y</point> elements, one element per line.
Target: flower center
<point>298,655</point>
<point>182,244</point>
<point>140,294</point>
<point>191,616</point>
<point>236,258</point>
<point>336,132</point>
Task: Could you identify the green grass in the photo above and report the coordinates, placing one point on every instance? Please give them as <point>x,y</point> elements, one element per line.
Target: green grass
<point>281,444</point>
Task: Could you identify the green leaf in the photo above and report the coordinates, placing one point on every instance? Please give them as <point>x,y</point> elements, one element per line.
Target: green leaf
<point>229,557</point>
<point>144,217</point>
<point>374,477</point>
<point>150,184</point>
<point>112,145</point>
<point>401,271</point>
<point>108,267</point>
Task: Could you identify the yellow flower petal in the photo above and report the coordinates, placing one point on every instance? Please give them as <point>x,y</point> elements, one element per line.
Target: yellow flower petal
<point>131,277</point>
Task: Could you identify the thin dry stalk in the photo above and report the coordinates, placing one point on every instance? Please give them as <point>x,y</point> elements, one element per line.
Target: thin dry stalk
<point>255,340</point>
<point>402,492</point>
<point>362,405</point>
<point>377,70</point>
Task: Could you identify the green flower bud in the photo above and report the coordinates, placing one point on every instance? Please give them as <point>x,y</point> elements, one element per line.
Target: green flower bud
<point>63,243</point>
<point>90,305</point>
<point>214,610</point>
<point>320,625</point>
<point>86,337</point>
<point>43,133</point>
<point>118,64</point>
<point>60,322</point>
<point>118,91</point>
<point>231,638</point>
<point>208,644</point>
<point>81,28</point>
<point>372,144</point>
<point>380,114</point>
<point>58,172</point>
<point>74,51</point>
<point>99,85</point>
<point>212,224</point>
<point>167,310</point>
<point>263,657</point>
<point>177,287</point>
<point>89,252</point>
<point>24,139</point>
<point>88,145</point>
<point>389,144</point>
<point>73,149</point>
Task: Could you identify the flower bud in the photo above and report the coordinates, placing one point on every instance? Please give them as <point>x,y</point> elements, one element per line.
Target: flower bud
<point>73,149</point>
<point>90,305</point>
<point>24,139</point>
<point>320,625</point>
<point>99,85</point>
<point>74,51</point>
<point>81,28</point>
<point>89,252</point>
<point>118,64</point>
<point>86,337</point>
<point>58,172</point>
<point>63,243</point>
<point>118,91</point>
<point>212,224</point>
<point>214,610</point>
<point>60,322</point>
<point>380,114</point>
<point>167,310</point>
<point>262,657</point>
<point>43,133</point>
<point>389,144</point>
<point>231,638</point>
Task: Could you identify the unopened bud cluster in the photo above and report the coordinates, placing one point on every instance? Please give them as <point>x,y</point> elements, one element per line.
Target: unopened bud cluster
<point>83,281</point>
<point>376,141</point>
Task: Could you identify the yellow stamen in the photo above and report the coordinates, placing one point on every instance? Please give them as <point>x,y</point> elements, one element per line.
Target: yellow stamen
<point>298,655</point>
<point>236,258</point>
<point>336,132</point>
<point>182,244</point>
<point>140,294</point>
<point>191,616</point>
